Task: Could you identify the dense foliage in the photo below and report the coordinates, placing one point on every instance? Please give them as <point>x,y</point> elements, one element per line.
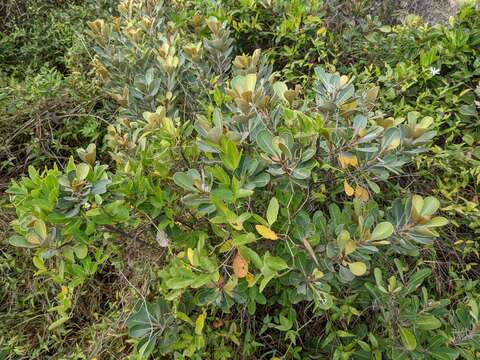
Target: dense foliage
<point>280,180</point>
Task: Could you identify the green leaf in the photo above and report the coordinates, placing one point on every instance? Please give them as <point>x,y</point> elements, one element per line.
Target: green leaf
<point>382,231</point>
<point>279,87</point>
<point>265,281</point>
<point>38,262</point>
<point>20,241</point>
<point>437,222</point>
<point>373,186</point>
<point>274,262</point>
<point>57,323</point>
<point>427,322</point>
<point>244,239</point>
<point>272,211</point>
<point>408,338</point>
<point>178,283</point>
<point>430,205</point>
<point>81,251</point>
<point>417,279</point>
<point>185,181</point>
<point>230,155</point>
<point>265,141</point>
<point>285,323</point>
<point>251,255</point>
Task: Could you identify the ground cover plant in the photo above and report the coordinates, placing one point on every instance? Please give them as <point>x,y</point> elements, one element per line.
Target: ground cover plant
<point>275,180</point>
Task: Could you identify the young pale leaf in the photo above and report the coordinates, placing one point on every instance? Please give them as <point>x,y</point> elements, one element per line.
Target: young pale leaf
<point>82,171</point>
<point>430,205</point>
<point>81,251</point>
<point>272,211</point>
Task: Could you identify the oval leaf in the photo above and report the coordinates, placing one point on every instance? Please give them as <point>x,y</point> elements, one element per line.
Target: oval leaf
<point>240,266</point>
<point>408,339</point>
<point>272,211</point>
<point>266,232</point>
<point>382,231</point>
<point>357,268</point>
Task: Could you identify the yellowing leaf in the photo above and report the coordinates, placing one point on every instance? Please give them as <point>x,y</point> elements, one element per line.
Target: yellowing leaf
<point>240,266</point>
<point>317,274</point>
<point>237,226</point>
<point>394,144</point>
<point>357,268</point>
<point>348,189</point>
<point>199,324</point>
<point>350,247</point>
<point>417,205</point>
<point>266,232</point>
<point>33,239</point>
<point>40,228</point>
<point>343,80</point>
<point>361,193</point>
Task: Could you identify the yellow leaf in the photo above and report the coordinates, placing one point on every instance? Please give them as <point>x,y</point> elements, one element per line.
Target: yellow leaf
<point>346,159</point>
<point>250,280</point>
<point>343,160</point>
<point>357,268</point>
<point>190,255</point>
<point>354,161</point>
<point>348,189</point>
<point>361,193</point>
<point>240,266</point>
<point>200,323</point>
<point>266,232</point>
<point>226,246</point>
